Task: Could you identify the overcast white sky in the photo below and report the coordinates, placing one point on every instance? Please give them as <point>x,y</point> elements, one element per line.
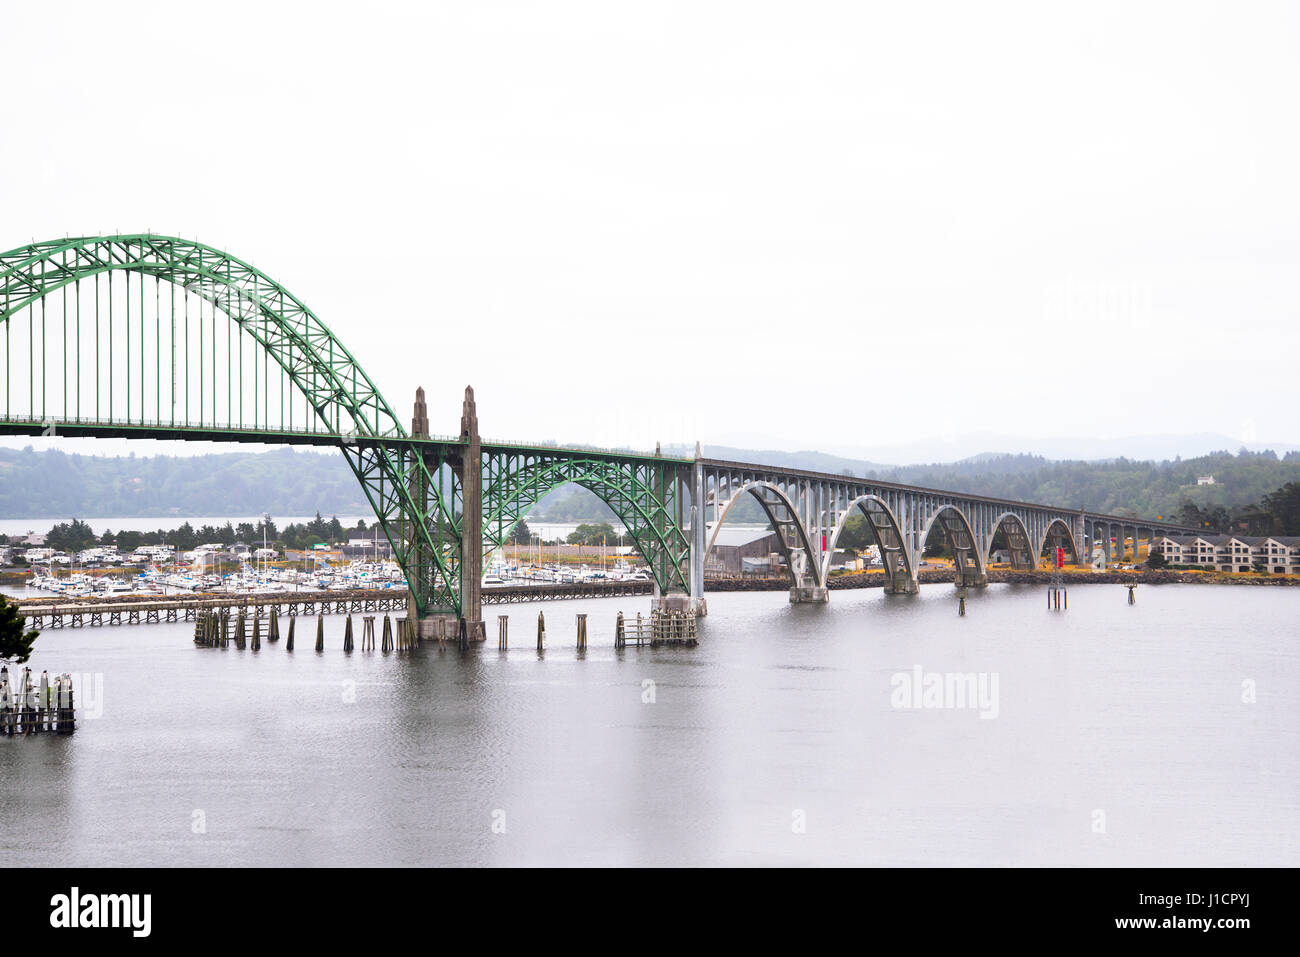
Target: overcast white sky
<point>806,225</point>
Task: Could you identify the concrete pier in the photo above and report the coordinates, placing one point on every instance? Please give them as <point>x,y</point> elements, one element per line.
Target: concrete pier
<point>471,546</point>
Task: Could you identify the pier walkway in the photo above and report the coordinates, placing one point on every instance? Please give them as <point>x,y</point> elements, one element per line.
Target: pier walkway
<point>56,612</point>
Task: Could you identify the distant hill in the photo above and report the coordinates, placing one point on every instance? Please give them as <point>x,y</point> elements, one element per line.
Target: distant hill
<point>53,484</point>
<point>963,446</point>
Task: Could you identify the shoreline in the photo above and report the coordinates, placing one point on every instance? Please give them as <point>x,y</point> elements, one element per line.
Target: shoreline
<point>936,576</point>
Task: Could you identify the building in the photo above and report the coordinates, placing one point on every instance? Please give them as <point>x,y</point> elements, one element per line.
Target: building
<point>846,560</point>
<point>1278,554</point>
<point>1205,480</point>
<point>367,548</point>
<point>744,553</point>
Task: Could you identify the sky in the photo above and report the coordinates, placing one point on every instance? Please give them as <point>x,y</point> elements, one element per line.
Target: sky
<point>834,226</point>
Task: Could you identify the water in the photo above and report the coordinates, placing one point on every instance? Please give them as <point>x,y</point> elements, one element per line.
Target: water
<point>782,713</point>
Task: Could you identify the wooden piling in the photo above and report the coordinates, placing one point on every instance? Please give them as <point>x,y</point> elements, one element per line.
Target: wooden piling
<point>388,634</point>
<point>320,632</point>
<point>503,627</point>
<point>241,636</point>
<point>273,631</point>
<point>541,631</point>
<point>288,645</point>
<point>257,633</point>
<point>347,636</point>
<point>582,632</point>
<point>620,634</point>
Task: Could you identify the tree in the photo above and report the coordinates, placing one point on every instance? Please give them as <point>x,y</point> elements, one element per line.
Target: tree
<point>15,639</point>
<point>128,542</point>
<point>74,536</point>
<point>856,532</point>
<point>1156,560</point>
<point>593,534</point>
<point>1284,506</point>
<point>521,534</point>
<point>1189,514</point>
<point>184,538</point>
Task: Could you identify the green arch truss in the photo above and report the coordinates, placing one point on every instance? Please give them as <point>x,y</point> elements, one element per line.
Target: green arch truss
<point>647,494</point>
<point>410,482</point>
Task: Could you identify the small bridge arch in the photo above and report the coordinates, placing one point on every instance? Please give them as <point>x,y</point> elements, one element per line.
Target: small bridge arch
<point>884,525</point>
<point>791,535</point>
<point>968,558</point>
<point>1020,545</point>
<point>1061,530</point>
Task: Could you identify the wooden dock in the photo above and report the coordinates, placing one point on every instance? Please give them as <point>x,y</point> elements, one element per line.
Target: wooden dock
<point>56,612</point>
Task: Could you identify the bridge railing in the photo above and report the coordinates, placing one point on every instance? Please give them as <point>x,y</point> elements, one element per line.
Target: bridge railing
<point>547,448</point>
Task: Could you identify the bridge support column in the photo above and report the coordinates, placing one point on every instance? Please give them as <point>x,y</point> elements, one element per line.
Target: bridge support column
<point>805,589</point>
<point>901,583</point>
<point>471,541</point>
<point>679,602</point>
<point>968,576</point>
<point>698,546</point>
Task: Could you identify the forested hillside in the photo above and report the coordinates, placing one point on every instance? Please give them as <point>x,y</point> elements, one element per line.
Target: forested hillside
<point>1119,486</point>
<point>53,484</point>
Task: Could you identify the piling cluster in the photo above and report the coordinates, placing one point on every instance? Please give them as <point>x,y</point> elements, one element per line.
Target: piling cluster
<point>214,629</point>
<point>672,627</point>
<point>34,706</point>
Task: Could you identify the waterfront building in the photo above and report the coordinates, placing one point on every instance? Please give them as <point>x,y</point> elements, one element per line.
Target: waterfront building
<point>744,552</point>
<point>1277,554</point>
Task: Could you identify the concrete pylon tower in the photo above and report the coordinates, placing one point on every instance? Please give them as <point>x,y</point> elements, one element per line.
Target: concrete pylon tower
<point>421,562</point>
<point>471,554</point>
<point>420,420</point>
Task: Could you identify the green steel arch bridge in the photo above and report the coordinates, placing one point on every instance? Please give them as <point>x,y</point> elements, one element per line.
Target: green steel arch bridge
<point>144,336</point>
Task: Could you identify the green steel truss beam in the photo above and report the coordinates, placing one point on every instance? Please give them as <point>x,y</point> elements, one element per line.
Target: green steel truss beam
<point>647,494</point>
<point>404,480</point>
<point>336,388</point>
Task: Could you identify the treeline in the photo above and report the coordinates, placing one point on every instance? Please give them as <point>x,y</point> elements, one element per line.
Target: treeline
<point>78,535</point>
<point>1119,486</point>
<point>1277,513</point>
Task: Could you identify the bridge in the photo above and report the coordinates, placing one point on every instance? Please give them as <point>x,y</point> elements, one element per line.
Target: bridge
<point>158,337</point>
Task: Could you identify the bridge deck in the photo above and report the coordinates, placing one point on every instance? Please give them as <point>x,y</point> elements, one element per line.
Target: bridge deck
<point>945,493</point>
